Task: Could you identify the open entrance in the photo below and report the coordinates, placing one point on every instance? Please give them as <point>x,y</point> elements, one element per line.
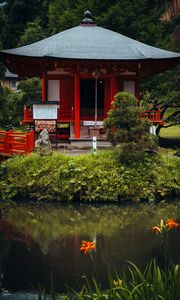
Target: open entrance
<point>87,97</point>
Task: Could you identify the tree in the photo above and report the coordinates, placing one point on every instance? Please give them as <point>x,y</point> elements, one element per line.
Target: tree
<point>4,27</point>
<point>19,12</point>
<point>12,103</point>
<point>11,107</point>
<point>32,33</point>
<point>163,91</point>
<point>62,15</point>
<point>31,89</point>
<point>3,34</point>
<point>123,124</point>
<point>138,19</point>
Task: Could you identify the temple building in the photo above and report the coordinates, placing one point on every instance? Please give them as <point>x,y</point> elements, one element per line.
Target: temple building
<point>11,81</point>
<point>82,68</point>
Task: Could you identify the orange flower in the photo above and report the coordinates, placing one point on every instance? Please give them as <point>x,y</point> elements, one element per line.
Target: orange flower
<point>156,229</point>
<point>172,224</point>
<point>87,247</point>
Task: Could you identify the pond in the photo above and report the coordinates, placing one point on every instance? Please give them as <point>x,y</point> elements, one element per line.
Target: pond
<point>38,240</point>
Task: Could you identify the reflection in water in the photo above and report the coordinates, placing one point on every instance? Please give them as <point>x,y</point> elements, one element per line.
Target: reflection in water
<point>36,240</point>
<point>10,232</point>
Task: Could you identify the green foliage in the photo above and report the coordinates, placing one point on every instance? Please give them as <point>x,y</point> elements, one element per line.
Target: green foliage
<point>11,107</point>
<point>32,33</point>
<point>4,28</point>
<point>101,178</point>
<point>12,103</point>
<point>153,283</point>
<point>163,91</point>
<point>19,13</point>
<point>123,124</point>
<point>120,16</point>
<point>31,89</point>
<point>3,37</point>
<point>62,16</point>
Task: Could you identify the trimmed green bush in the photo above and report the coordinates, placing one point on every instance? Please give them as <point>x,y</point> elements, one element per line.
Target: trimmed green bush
<point>124,125</point>
<point>106,177</point>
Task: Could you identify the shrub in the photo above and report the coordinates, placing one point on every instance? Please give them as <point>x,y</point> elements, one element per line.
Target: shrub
<point>124,125</point>
<point>106,177</point>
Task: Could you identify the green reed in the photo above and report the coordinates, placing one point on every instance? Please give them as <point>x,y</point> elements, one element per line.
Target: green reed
<point>154,283</point>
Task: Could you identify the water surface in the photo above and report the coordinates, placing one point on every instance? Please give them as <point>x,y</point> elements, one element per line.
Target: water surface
<point>36,240</point>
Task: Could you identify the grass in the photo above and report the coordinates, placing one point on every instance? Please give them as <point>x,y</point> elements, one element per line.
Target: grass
<point>170,132</point>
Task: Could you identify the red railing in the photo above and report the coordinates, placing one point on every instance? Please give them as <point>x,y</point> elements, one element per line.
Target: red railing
<point>153,116</point>
<point>14,143</point>
<point>63,115</point>
<point>28,115</point>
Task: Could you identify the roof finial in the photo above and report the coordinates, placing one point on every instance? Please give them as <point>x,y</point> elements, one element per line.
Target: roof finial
<point>87,14</point>
<point>87,19</point>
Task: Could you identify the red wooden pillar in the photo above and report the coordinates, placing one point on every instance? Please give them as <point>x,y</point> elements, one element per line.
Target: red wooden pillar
<point>77,105</point>
<point>106,96</point>
<point>44,87</point>
<point>112,88</point>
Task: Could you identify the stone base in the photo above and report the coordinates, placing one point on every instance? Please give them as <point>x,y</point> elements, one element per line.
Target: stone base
<point>94,131</point>
<point>88,142</point>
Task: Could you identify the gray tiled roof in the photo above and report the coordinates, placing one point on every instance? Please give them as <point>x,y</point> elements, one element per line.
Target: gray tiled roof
<point>8,74</point>
<point>92,43</point>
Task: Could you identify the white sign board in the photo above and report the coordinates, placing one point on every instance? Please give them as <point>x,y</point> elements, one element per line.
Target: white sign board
<point>45,112</point>
<point>92,123</point>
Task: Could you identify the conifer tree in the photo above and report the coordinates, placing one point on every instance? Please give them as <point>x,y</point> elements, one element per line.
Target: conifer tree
<point>123,124</point>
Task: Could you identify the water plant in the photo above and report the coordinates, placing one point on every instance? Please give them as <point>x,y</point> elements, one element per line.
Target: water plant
<point>88,247</point>
<point>151,284</point>
<point>162,230</point>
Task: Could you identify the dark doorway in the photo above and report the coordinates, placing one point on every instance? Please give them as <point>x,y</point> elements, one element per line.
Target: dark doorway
<point>87,96</point>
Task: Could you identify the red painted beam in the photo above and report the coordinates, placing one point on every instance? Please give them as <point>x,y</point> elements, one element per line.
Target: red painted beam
<point>44,88</point>
<point>77,105</point>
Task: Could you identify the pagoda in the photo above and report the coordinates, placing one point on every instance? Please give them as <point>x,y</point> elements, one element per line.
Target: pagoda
<point>81,69</point>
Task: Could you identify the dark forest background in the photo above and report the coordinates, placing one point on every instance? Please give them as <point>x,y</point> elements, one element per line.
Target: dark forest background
<point>154,22</point>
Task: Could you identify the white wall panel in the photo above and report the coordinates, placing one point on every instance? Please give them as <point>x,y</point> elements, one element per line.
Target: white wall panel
<point>129,86</point>
<point>53,90</point>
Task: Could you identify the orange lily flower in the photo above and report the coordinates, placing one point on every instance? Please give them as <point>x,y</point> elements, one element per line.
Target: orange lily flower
<point>87,247</point>
<point>156,229</point>
<point>172,224</point>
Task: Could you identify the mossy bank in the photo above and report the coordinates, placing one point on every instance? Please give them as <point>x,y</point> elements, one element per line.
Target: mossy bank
<point>105,177</point>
